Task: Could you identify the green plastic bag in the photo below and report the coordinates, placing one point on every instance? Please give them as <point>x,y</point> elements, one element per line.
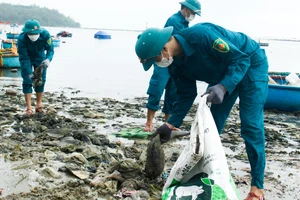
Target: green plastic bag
<point>133,133</point>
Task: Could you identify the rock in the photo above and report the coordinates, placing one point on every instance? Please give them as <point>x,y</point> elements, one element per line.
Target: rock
<point>140,195</point>
<point>81,174</point>
<point>11,92</point>
<point>51,172</point>
<point>155,161</point>
<point>77,158</point>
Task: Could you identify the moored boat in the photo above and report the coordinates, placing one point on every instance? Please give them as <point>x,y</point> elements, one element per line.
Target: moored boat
<point>11,35</point>
<point>9,58</point>
<point>263,44</point>
<point>64,34</point>
<point>6,44</point>
<point>56,41</point>
<point>10,72</point>
<point>281,95</point>
<point>102,35</point>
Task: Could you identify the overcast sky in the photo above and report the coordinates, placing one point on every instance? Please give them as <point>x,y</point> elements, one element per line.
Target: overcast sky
<point>254,17</point>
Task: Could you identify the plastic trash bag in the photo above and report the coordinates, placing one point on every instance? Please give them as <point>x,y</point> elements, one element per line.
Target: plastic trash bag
<point>201,171</point>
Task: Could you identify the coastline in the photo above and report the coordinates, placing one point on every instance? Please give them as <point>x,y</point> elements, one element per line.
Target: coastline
<point>72,151</point>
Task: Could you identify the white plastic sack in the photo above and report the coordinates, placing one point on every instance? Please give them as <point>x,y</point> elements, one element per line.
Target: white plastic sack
<point>201,172</point>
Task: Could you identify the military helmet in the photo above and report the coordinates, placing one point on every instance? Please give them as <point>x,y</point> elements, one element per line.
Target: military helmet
<point>150,43</point>
<point>193,5</point>
<point>32,26</point>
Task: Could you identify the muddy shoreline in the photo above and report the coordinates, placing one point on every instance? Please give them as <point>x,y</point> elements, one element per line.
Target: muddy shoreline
<point>73,152</point>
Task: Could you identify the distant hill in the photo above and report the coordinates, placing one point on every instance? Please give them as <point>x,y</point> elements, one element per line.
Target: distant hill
<point>47,17</point>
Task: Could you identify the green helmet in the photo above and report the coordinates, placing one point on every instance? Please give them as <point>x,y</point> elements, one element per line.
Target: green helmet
<point>32,27</point>
<point>150,43</point>
<point>193,5</point>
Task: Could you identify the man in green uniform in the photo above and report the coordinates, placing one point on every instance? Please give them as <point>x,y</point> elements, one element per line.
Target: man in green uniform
<point>35,49</point>
<point>161,80</point>
<point>232,64</point>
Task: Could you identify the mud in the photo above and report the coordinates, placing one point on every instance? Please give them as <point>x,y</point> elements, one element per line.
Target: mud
<point>73,152</point>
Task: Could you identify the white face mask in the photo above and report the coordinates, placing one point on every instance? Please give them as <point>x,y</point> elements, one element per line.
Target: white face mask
<point>164,61</point>
<point>190,18</point>
<point>34,38</point>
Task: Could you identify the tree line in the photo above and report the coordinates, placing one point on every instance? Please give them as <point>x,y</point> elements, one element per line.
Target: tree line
<point>19,14</point>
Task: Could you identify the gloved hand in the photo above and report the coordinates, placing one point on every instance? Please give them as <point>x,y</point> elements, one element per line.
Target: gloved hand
<point>216,94</point>
<point>46,63</point>
<point>164,132</point>
<point>31,76</point>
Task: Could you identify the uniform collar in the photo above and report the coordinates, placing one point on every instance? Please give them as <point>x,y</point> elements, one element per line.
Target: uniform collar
<point>187,49</point>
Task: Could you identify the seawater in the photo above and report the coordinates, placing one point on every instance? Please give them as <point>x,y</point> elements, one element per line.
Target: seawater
<point>110,68</point>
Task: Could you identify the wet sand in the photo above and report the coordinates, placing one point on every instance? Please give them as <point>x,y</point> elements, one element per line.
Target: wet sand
<point>73,153</point>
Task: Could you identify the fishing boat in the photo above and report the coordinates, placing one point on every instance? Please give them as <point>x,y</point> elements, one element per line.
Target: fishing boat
<point>10,72</point>
<point>11,35</point>
<point>64,34</point>
<point>14,25</point>
<point>9,58</point>
<point>56,41</point>
<point>7,44</point>
<point>102,35</point>
<point>263,44</point>
<point>281,95</point>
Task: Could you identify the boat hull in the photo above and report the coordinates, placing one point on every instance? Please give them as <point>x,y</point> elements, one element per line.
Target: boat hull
<point>10,72</point>
<point>7,44</point>
<point>102,35</point>
<point>56,42</point>
<point>64,34</point>
<point>282,97</point>
<point>10,61</point>
<point>12,35</point>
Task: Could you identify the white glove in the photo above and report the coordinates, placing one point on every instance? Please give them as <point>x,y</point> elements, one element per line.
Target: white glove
<point>46,63</point>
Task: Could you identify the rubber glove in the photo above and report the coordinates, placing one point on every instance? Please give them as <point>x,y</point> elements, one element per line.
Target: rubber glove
<point>164,132</point>
<point>46,63</point>
<point>31,76</point>
<point>216,94</point>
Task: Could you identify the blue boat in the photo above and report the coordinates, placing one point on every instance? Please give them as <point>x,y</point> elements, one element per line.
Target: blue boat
<point>9,60</point>
<point>281,96</point>
<point>56,42</point>
<point>7,44</point>
<point>12,35</point>
<point>10,72</point>
<point>102,35</point>
<point>14,25</point>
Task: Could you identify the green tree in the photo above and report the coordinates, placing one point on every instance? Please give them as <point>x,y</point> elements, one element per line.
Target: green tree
<point>47,17</point>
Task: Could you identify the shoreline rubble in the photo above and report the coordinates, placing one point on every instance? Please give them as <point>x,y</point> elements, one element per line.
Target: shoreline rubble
<point>72,152</point>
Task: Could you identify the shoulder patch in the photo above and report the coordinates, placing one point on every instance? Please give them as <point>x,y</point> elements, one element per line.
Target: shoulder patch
<point>221,46</point>
<point>49,41</point>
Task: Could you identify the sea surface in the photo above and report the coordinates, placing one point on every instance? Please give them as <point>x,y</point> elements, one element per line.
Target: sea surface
<point>110,68</point>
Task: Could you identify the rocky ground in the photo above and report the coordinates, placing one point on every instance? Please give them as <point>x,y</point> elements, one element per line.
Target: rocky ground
<point>73,152</point>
